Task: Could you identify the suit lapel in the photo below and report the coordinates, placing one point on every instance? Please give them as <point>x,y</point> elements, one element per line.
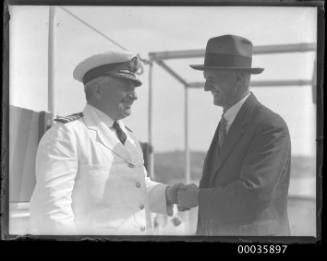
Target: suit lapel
<point>235,133</point>
<point>210,159</point>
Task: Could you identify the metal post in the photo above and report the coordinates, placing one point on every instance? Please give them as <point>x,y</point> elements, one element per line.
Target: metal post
<point>186,138</point>
<point>314,81</point>
<point>150,127</point>
<point>51,62</point>
<point>187,155</point>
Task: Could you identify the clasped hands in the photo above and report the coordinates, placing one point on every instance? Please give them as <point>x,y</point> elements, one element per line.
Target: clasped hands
<point>185,196</point>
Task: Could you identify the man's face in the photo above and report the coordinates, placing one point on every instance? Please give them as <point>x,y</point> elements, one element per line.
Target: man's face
<point>117,97</point>
<point>222,85</point>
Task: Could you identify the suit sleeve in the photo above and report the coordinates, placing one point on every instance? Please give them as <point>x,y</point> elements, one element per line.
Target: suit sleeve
<point>56,169</point>
<point>260,172</point>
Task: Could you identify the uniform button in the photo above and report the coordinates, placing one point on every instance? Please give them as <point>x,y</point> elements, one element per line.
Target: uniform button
<point>142,229</point>
<point>131,165</point>
<point>141,206</point>
<point>138,184</point>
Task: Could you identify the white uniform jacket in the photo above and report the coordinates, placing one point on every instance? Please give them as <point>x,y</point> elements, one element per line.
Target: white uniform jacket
<point>88,182</point>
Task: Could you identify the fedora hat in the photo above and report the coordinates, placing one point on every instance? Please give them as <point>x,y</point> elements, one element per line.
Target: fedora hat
<point>228,52</point>
<point>116,64</point>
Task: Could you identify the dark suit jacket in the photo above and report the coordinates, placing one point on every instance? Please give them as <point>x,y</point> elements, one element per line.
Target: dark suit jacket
<point>244,186</point>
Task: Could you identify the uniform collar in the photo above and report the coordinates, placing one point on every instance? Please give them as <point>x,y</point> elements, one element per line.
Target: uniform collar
<point>231,113</point>
<point>101,116</point>
<point>94,117</point>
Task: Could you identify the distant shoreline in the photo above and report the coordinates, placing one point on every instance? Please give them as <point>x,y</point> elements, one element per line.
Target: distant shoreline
<point>170,165</point>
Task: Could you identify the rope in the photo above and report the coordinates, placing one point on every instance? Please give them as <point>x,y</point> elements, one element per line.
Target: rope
<point>106,37</point>
<point>93,28</point>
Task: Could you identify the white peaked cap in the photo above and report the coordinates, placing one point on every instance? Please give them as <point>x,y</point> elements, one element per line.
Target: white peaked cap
<point>120,64</point>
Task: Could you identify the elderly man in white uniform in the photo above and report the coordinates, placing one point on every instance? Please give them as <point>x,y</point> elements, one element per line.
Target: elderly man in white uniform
<point>90,174</point>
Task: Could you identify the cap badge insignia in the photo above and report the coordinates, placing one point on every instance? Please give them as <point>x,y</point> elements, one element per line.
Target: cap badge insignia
<point>133,64</point>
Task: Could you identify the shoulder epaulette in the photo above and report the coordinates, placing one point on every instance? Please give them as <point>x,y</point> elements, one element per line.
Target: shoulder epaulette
<point>128,129</point>
<point>69,118</point>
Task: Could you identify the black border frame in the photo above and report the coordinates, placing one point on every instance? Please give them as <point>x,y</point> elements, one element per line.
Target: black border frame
<point>226,243</point>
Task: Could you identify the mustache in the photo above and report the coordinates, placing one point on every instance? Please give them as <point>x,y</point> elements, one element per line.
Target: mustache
<point>129,99</point>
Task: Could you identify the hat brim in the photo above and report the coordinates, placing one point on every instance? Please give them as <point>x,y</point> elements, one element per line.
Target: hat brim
<point>123,76</point>
<point>219,68</point>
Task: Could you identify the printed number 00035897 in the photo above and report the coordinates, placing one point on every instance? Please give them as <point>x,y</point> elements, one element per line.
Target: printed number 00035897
<point>261,249</point>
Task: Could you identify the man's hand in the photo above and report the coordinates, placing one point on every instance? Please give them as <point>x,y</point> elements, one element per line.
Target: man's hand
<point>171,192</point>
<point>188,197</point>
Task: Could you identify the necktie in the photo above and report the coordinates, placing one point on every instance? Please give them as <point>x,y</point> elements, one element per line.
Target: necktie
<point>222,132</point>
<point>120,133</point>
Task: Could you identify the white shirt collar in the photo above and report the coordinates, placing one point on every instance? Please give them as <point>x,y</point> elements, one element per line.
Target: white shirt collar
<point>101,115</point>
<point>231,113</point>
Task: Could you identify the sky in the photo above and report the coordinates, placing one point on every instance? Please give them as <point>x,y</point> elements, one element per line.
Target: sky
<point>153,29</point>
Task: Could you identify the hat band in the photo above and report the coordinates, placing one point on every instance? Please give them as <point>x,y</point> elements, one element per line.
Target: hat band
<point>106,70</point>
<point>227,60</point>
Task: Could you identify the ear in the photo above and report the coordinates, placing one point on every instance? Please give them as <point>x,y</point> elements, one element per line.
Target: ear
<point>239,79</point>
<point>98,91</point>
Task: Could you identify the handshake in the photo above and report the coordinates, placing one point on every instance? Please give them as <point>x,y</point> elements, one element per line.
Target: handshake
<point>185,196</point>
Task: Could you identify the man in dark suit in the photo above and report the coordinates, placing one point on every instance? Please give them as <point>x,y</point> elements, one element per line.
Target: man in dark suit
<point>245,179</point>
